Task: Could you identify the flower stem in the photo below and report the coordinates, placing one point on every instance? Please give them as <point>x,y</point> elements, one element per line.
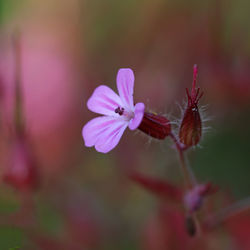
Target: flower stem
<point>189,177</point>
<point>188,174</point>
<point>195,72</point>
<point>18,112</point>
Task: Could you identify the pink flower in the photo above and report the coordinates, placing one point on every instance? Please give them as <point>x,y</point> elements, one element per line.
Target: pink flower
<point>119,112</point>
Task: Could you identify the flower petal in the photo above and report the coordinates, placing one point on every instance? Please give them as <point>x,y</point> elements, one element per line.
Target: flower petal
<point>104,101</point>
<point>95,127</point>
<point>138,116</point>
<point>125,85</point>
<point>111,137</point>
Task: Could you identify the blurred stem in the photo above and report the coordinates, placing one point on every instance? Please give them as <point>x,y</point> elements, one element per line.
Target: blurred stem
<point>18,109</point>
<point>228,212</point>
<point>197,224</point>
<point>188,174</point>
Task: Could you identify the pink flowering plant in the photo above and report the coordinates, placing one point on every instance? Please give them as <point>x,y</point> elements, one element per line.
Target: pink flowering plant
<point>119,112</point>
<point>185,220</point>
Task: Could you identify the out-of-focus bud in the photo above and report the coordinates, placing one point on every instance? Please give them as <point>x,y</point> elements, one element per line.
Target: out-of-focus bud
<point>156,126</point>
<point>21,171</point>
<point>193,199</point>
<point>191,125</point>
<point>190,226</point>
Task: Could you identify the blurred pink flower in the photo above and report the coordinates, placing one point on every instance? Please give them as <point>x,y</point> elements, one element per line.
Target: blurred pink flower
<point>49,79</point>
<point>46,75</point>
<point>119,112</point>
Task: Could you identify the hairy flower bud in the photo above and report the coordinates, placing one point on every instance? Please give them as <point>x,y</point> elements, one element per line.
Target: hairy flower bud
<point>156,126</point>
<point>191,125</point>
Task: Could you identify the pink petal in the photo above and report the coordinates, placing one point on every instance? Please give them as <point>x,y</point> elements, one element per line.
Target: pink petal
<point>104,101</point>
<point>111,137</point>
<point>95,127</point>
<point>104,132</point>
<point>125,84</point>
<point>138,116</point>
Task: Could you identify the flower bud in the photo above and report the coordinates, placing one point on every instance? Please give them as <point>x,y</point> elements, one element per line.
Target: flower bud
<point>193,199</point>
<point>156,126</point>
<point>191,125</point>
<point>190,131</point>
<point>190,226</point>
<point>21,171</point>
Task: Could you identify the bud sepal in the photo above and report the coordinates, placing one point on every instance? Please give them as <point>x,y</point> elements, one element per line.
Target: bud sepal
<point>191,126</point>
<point>156,126</point>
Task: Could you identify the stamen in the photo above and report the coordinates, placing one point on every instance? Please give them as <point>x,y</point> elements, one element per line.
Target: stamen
<point>119,110</point>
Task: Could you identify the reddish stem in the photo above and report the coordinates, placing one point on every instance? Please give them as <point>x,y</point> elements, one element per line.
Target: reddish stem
<point>195,72</point>
<point>18,111</point>
<point>187,172</point>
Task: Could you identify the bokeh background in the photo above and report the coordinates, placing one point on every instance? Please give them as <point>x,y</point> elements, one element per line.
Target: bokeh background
<point>84,199</point>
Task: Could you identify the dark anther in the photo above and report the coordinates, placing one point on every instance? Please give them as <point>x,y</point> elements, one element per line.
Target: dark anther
<point>119,110</point>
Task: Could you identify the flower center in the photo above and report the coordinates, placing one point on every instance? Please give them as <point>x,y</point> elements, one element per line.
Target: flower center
<point>122,112</point>
<point>119,111</point>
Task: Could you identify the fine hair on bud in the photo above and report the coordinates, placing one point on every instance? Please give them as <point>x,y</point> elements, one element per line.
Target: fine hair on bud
<point>191,125</point>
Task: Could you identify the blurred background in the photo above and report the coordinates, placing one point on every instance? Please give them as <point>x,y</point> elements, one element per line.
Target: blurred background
<point>77,198</point>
